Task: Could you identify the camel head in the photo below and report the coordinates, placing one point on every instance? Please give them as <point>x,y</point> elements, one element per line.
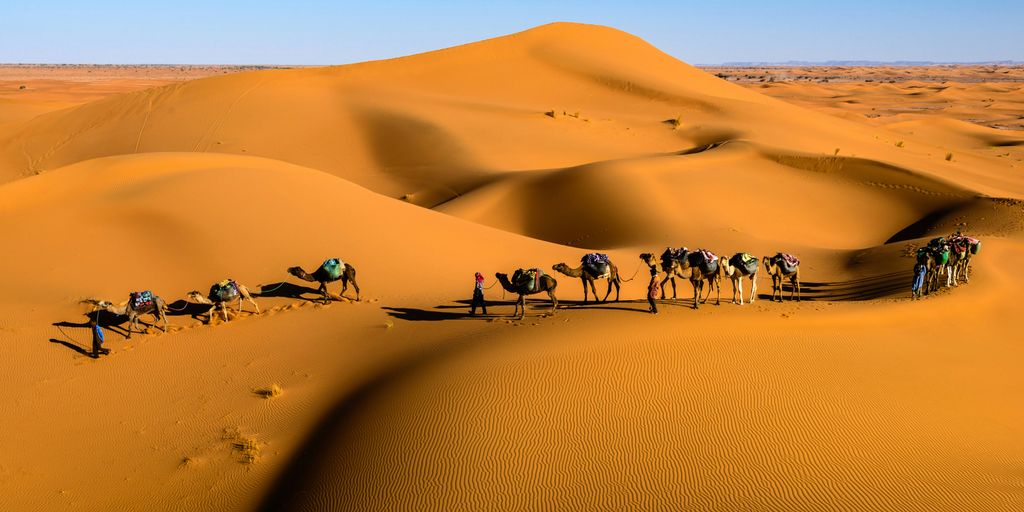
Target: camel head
<point>767,264</point>
<point>560,267</point>
<point>197,297</point>
<point>647,258</point>
<point>297,272</point>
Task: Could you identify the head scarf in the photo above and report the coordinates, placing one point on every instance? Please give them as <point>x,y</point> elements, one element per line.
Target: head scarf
<point>479,277</point>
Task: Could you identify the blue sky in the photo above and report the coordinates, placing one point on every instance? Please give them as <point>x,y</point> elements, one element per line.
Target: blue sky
<point>322,32</point>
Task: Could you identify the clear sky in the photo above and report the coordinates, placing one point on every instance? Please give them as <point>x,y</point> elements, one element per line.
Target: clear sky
<point>323,32</point>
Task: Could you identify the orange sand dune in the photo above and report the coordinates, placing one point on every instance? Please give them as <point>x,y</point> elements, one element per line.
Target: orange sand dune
<point>520,151</point>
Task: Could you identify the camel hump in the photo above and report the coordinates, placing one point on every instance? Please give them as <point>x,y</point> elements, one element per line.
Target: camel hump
<point>224,290</point>
<point>597,264</point>
<point>333,267</point>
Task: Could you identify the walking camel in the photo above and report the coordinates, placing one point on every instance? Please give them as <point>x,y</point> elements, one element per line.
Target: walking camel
<point>783,266</point>
<point>737,267</point>
<point>588,273</point>
<point>704,266</point>
<point>221,294</point>
<point>329,271</point>
<point>523,285</point>
<point>139,303</point>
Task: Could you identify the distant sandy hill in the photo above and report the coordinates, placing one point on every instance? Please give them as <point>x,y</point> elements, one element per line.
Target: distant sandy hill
<point>519,151</point>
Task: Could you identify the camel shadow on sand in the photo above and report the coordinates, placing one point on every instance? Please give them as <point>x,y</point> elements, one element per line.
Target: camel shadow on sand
<point>866,288</point>
<point>460,309</point>
<point>287,290</point>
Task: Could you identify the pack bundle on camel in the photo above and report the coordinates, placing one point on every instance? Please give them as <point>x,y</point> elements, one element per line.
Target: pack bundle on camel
<point>139,303</point>
<point>528,282</point>
<point>330,271</point>
<point>221,294</point>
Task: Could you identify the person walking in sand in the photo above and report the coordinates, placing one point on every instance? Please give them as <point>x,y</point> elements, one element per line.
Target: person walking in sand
<point>478,295</point>
<point>653,289</point>
<point>97,339</point>
<point>919,272</point>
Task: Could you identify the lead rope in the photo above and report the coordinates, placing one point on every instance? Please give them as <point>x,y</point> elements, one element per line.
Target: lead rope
<point>635,272</point>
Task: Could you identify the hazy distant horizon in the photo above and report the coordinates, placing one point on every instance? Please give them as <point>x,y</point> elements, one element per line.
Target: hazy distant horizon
<point>318,32</point>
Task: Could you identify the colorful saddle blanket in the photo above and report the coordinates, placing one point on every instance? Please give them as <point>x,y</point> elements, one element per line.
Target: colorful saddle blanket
<point>139,300</point>
<point>224,291</point>
<point>787,262</point>
<point>334,268</point>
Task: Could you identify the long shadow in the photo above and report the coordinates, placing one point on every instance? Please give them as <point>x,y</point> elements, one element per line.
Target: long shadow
<point>106,320</point>
<point>288,290</point>
<point>72,346</point>
<point>866,288</point>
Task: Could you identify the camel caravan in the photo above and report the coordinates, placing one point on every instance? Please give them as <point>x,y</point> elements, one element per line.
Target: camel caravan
<point>222,294</point>
<point>943,263</point>
<point>703,268</point>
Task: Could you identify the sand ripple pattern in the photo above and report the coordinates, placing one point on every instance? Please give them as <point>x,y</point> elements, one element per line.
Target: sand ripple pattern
<point>683,421</point>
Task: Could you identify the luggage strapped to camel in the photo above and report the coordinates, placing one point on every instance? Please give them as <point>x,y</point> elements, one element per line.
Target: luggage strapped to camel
<point>334,268</point>
<point>597,264</point>
<point>141,299</point>
<point>224,290</point>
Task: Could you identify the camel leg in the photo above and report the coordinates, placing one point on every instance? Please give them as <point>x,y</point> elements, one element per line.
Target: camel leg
<point>323,291</point>
<point>585,291</point>
<point>131,324</point>
<point>718,290</point>
<point>796,288</point>
<point>737,283</point>
<point>224,310</point>
<point>554,301</point>
<point>697,285</point>
<point>673,281</point>
<point>522,307</point>
<point>753,289</point>
<point>161,316</point>
<point>663,281</point>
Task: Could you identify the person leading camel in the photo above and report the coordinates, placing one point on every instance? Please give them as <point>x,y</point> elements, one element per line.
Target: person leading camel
<point>221,294</point>
<point>97,339</point>
<point>920,269</point>
<point>529,282</point>
<point>138,304</point>
<point>652,290</point>
<point>478,295</point>
<point>592,267</point>
<point>330,270</point>
<point>783,266</point>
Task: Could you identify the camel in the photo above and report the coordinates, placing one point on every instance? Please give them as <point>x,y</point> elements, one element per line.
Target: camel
<point>133,309</point>
<point>960,257</point>
<point>775,269</point>
<point>222,293</point>
<point>522,287</point>
<point>735,270</point>
<point>586,275</point>
<point>673,264</point>
<point>330,271</point>
<point>696,263</point>
<point>939,250</point>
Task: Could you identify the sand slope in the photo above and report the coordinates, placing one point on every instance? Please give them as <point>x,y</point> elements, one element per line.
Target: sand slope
<point>521,151</point>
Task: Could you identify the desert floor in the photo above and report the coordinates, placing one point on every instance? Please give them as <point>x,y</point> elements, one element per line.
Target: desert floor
<point>521,151</point>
